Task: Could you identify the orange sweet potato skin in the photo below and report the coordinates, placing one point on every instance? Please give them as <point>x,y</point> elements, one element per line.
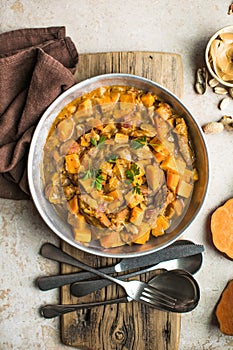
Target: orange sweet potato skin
<point>222,228</point>
<point>224,310</point>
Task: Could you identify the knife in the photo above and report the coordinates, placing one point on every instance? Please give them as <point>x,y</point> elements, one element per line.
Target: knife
<point>178,249</point>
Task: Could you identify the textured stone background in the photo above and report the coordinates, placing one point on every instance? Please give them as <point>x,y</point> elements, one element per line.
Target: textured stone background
<point>170,26</point>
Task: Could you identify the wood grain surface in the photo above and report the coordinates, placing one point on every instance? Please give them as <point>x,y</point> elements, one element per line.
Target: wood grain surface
<point>130,326</point>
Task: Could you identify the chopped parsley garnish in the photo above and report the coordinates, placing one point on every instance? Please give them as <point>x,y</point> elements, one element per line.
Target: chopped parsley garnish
<point>132,172</point>
<point>138,143</point>
<point>141,142</point>
<point>94,142</point>
<point>130,175</point>
<point>113,158</point>
<point>88,173</point>
<point>98,180</point>
<point>136,189</point>
<point>96,176</point>
<point>99,143</point>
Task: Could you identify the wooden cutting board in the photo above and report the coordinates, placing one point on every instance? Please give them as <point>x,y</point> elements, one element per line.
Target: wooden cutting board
<point>131,326</point>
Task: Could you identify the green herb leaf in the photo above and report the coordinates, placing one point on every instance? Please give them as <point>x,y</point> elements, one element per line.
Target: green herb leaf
<point>96,176</point>
<point>100,143</point>
<point>136,189</point>
<point>113,158</point>
<point>129,175</point>
<point>98,180</point>
<point>138,143</point>
<point>132,172</point>
<point>94,142</point>
<point>135,169</point>
<point>88,174</point>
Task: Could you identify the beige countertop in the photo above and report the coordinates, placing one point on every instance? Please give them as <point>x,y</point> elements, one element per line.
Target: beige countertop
<point>181,27</point>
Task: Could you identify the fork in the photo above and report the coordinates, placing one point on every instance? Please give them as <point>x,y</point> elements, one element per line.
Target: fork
<point>137,290</point>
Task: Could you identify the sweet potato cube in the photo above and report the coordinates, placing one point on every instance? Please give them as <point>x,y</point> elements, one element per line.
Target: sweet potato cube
<point>114,194</point>
<point>81,229</point>
<point>72,163</point>
<point>147,99</point>
<point>136,216</point>
<point>143,239</point>
<point>184,189</point>
<point>83,235</point>
<point>172,181</point>
<point>164,110</point>
<point>128,98</point>
<point>73,205</point>
<point>144,228</point>
<point>105,99</point>
<point>121,138</point>
<point>157,144</point>
<point>169,164</point>
<point>133,199</point>
<point>161,225</point>
<point>157,231</point>
<point>84,109</point>
<point>85,104</point>
<point>187,175</point>
<point>159,157</point>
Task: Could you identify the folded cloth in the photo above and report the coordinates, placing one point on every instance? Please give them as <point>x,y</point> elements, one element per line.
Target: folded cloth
<point>36,66</point>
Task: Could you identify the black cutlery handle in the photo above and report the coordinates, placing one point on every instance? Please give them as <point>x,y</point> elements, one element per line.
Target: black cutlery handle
<point>50,311</point>
<point>52,252</point>
<point>51,282</point>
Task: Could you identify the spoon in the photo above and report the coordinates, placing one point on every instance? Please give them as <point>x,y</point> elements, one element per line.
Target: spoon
<point>176,283</point>
<point>181,285</point>
<point>190,264</point>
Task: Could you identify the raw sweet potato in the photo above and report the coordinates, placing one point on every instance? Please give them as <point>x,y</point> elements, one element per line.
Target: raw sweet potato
<point>224,310</point>
<point>222,228</point>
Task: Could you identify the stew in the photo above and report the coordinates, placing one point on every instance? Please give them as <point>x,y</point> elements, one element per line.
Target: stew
<point>119,166</point>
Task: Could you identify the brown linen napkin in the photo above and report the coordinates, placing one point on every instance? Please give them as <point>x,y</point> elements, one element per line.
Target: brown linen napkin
<point>36,66</point>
